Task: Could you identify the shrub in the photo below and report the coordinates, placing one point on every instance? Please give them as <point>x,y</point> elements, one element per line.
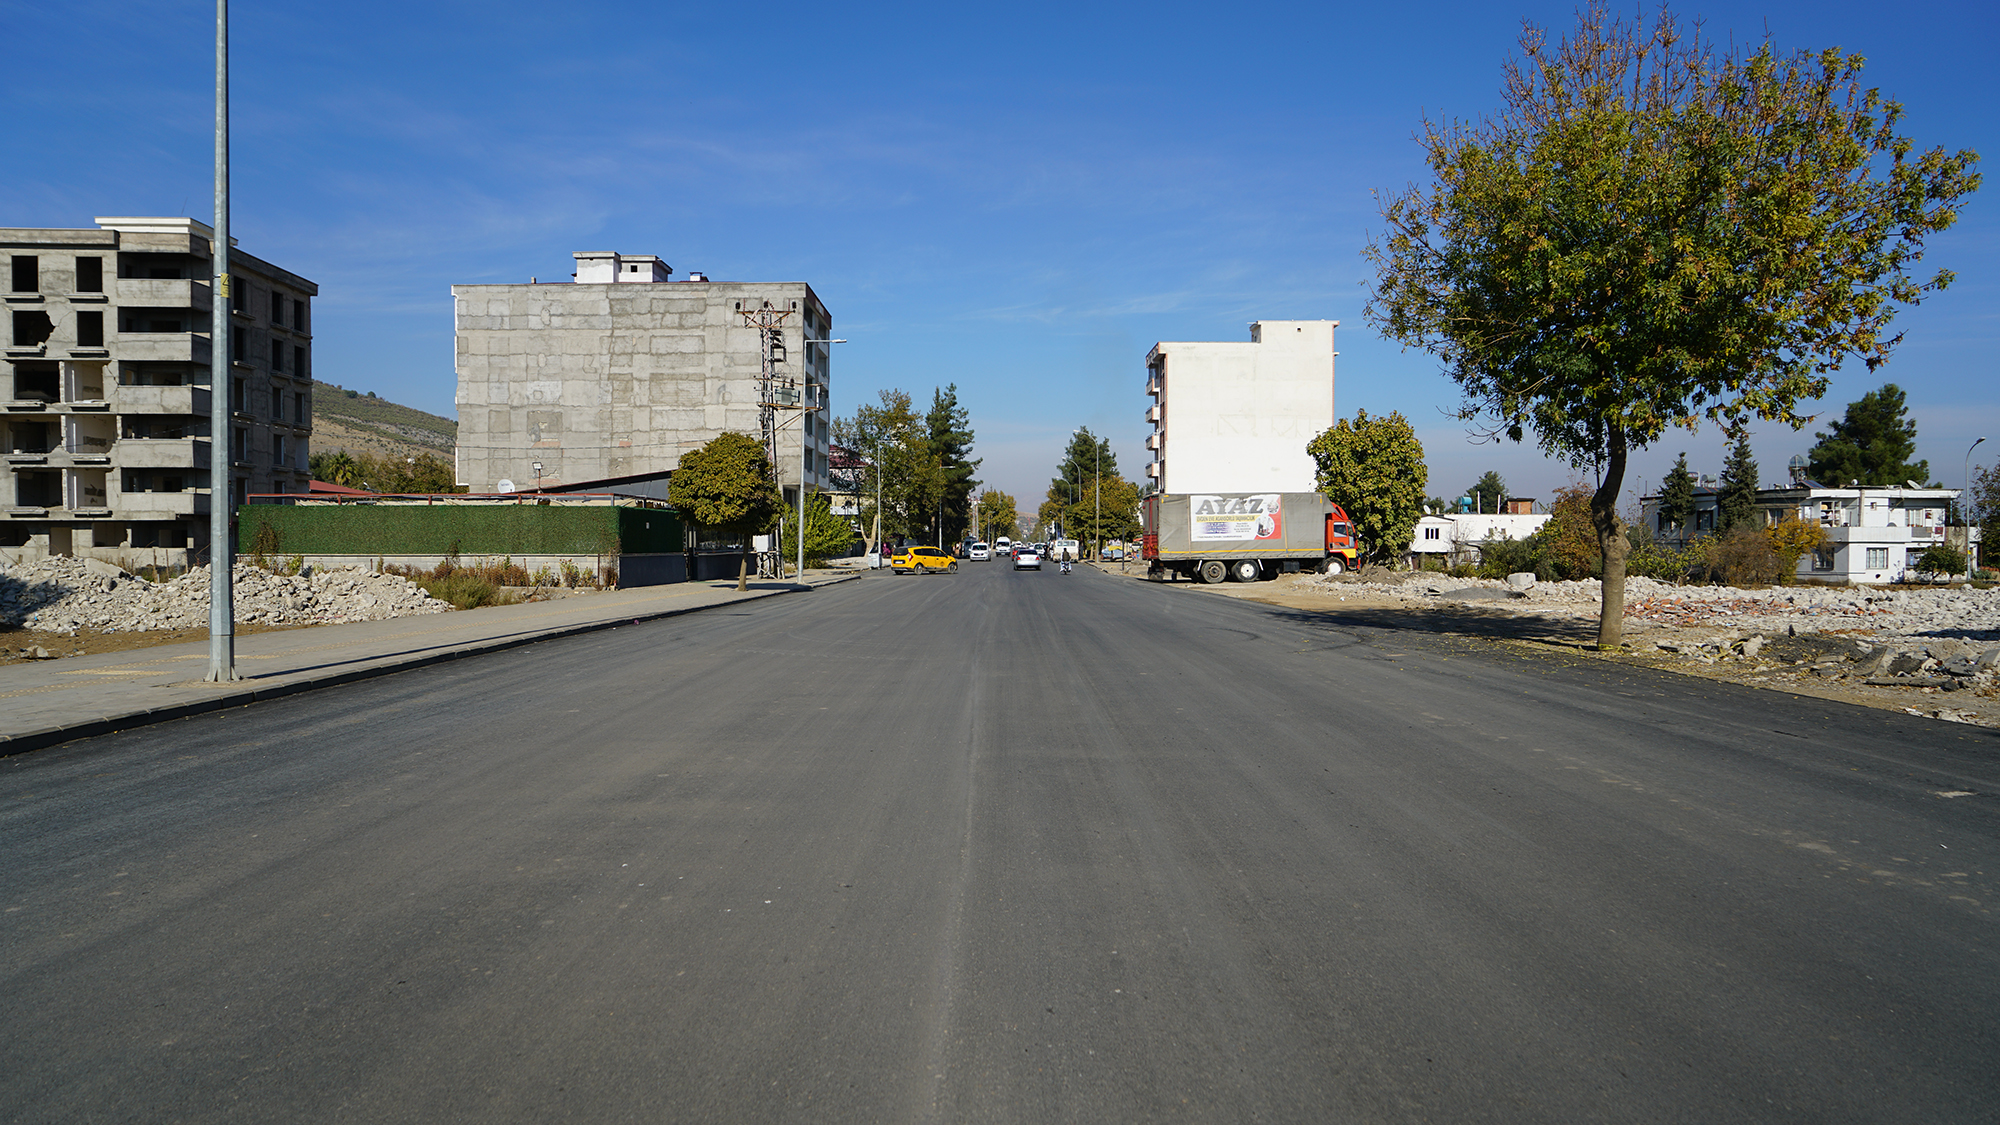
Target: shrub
<point>1940,560</point>
<point>1744,557</point>
<point>1792,539</point>
<point>463,589</point>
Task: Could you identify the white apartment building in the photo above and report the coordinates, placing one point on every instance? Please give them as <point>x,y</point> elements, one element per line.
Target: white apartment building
<point>1455,538</point>
<point>1236,417</point>
<point>106,388</point>
<point>613,376</point>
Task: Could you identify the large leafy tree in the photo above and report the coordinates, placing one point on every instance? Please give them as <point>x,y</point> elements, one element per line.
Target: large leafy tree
<point>1071,492</point>
<point>949,432</point>
<point>827,536</point>
<point>895,440</point>
<point>1677,496</point>
<point>727,485</point>
<point>1736,497</point>
<point>1374,469</point>
<point>998,514</point>
<point>1649,234</point>
<point>1872,444</point>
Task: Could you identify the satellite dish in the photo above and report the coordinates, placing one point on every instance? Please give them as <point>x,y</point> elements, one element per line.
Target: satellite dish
<point>504,486</point>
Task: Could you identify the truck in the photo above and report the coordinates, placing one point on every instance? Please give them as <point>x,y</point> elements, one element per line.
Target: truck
<point>1244,536</point>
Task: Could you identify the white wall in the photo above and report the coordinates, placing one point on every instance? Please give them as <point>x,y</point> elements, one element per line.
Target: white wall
<point>1238,416</point>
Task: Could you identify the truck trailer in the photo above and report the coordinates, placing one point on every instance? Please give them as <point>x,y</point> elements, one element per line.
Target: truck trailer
<point>1244,536</point>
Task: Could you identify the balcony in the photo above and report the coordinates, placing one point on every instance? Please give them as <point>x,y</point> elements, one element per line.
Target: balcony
<point>160,505</point>
<point>1155,413</point>
<point>1154,384</point>
<point>162,347</point>
<point>164,293</point>
<point>1153,441</point>
<point>161,400</point>
<point>162,453</point>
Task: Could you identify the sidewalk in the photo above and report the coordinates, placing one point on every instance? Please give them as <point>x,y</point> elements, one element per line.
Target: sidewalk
<point>53,701</point>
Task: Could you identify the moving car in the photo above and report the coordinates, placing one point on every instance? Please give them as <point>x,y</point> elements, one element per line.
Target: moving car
<point>1027,558</point>
<point>1003,546</point>
<point>911,559</point>
<point>979,552</point>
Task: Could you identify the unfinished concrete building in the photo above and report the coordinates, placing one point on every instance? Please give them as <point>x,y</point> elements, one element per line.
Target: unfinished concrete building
<point>611,377</point>
<point>107,384</point>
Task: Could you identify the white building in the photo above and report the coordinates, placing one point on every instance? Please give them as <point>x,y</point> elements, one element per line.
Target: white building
<point>1873,535</point>
<point>1236,417</point>
<point>1456,538</point>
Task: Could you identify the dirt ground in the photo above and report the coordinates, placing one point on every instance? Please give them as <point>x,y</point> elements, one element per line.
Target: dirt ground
<point>1578,636</point>
<point>16,645</point>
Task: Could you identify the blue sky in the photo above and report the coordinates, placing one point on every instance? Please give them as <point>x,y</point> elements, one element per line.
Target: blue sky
<point>1018,198</point>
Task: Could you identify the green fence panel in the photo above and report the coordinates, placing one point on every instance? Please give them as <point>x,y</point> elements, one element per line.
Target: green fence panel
<point>441,529</point>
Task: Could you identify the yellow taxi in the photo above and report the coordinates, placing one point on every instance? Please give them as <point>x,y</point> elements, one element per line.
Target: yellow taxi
<point>913,559</point>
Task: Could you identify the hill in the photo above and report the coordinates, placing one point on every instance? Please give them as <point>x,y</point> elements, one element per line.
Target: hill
<point>363,423</point>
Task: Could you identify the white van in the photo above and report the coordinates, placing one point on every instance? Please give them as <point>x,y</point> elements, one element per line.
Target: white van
<point>1003,546</point>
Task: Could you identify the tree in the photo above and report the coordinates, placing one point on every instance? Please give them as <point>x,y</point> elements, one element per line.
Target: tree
<point>1374,468</point>
<point>1567,543</point>
<point>1488,492</point>
<point>1736,498</point>
<point>337,467</point>
<point>896,442</point>
<point>1677,496</point>
<point>997,514</point>
<point>1871,445</point>
<point>1649,234</point>
<point>1941,561</point>
<point>1793,539</point>
<point>1068,506</point>
<point>950,436</point>
<point>727,485</point>
<point>827,536</point>
<point>1983,504</point>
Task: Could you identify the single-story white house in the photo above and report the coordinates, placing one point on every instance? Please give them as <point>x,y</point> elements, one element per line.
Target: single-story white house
<point>1456,538</point>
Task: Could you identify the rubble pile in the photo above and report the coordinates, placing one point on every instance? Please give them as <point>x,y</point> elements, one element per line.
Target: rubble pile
<point>63,595</point>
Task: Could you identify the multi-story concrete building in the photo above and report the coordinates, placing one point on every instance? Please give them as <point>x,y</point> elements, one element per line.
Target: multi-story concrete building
<point>107,384</point>
<point>613,376</point>
<point>1237,417</point>
<point>1872,536</point>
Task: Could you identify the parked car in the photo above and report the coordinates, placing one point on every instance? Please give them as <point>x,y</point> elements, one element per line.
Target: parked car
<point>911,559</point>
<point>1026,557</point>
<point>979,552</point>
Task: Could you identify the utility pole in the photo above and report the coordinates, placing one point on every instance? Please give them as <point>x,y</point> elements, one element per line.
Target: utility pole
<point>221,551</point>
<point>773,391</point>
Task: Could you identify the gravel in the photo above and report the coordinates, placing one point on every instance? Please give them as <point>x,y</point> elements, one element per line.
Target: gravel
<point>64,595</point>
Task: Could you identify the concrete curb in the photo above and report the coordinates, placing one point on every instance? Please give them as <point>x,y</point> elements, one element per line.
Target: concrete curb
<point>41,738</point>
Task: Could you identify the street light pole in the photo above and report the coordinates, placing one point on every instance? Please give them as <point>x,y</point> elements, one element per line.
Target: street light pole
<point>221,552</point>
<point>1964,513</point>
<point>804,452</point>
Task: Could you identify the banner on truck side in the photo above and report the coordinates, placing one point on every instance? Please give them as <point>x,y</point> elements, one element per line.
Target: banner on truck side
<point>1217,519</point>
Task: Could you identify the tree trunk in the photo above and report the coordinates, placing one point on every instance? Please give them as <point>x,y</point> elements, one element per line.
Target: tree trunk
<point>743,569</point>
<point>1612,543</point>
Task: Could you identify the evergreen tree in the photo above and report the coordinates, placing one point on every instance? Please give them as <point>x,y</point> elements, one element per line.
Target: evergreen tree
<point>1736,499</point>
<point>1677,496</point>
<point>1871,445</point>
<point>950,433</point>
<point>1488,492</point>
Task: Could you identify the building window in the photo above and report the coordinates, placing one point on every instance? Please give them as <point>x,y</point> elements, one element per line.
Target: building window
<point>236,347</point>
<point>242,443</point>
<point>299,315</point>
<point>27,274</point>
<point>298,408</point>
<point>277,404</point>
<point>89,329</point>
<point>277,356</point>
<point>32,327</point>
<point>277,308</point>
<point>239,396</point>
<point>1822,558</point>
<point>1431,532</point>
<point>1878,558</point>
<point>278,450</point>
<point>90,275</point>
<point>299,362</point>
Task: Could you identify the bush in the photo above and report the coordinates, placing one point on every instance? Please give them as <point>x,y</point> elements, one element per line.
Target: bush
<point>1499,558</point>
<point>463,589</point>
<point>1744,557</point>
<point>1940,560</point>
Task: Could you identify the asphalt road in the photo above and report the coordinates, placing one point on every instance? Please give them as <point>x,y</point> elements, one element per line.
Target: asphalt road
<point>1011,848</point>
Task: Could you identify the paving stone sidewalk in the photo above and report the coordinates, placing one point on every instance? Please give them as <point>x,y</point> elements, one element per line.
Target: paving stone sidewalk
<point>52,701</point>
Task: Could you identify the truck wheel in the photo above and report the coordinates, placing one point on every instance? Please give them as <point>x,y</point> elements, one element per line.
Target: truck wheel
<point>1245,570</point>
<point>1212,572</point>
<point>1333,566</point>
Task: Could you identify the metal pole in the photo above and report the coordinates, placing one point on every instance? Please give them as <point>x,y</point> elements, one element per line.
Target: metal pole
<point>1097,496</point>
<point>221,551</point>
<point>1964,512</point>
